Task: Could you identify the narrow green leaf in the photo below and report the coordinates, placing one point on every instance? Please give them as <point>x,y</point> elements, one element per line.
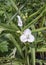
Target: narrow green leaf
<point>8,27</point>
<point>15,43</point>
<point>34,21</point>
<point>14,5</point>
<point>34,14</point>
<point>40,29</point>
<point>43,49</point>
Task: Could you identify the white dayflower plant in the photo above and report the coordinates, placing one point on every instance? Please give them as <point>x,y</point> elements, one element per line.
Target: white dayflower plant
<point>20,24</point>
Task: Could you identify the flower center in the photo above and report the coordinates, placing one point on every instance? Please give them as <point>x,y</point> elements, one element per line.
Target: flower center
<point>28,36</point>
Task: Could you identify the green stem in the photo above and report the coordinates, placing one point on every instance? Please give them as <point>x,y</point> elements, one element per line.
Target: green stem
<point>26,56</point>
<point>33,56</point>
<point>28,60</point>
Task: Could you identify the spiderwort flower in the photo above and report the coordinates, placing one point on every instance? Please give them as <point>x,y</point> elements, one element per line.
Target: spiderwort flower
<point>27,36</point>
<point>19,21</point>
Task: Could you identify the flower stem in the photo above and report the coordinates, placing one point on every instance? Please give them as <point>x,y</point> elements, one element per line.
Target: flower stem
<point>33,56</point>
<point>27,56</point>
<point>28,60</point>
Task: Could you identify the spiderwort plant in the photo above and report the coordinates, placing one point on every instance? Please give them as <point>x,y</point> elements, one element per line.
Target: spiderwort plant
<point>27,37</point>
<point>22,40</point>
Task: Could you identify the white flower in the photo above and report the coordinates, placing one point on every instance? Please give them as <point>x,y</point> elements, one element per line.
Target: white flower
<point>27,36</point>
<point>20,24</point>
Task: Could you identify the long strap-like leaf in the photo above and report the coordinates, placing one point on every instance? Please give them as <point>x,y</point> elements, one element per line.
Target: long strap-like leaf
<point>34,21</point>
<point>15,43</point>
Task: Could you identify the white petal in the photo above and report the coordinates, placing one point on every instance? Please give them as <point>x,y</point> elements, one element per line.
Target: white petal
<point>19,24</point>
<point>31,38</point>
<point>19,21</point>
<point>23,38</point>
<point>27,32</point>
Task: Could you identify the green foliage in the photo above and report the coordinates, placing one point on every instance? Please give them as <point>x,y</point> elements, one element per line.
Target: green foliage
<point>4,46</point>
<point>33,15</point>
